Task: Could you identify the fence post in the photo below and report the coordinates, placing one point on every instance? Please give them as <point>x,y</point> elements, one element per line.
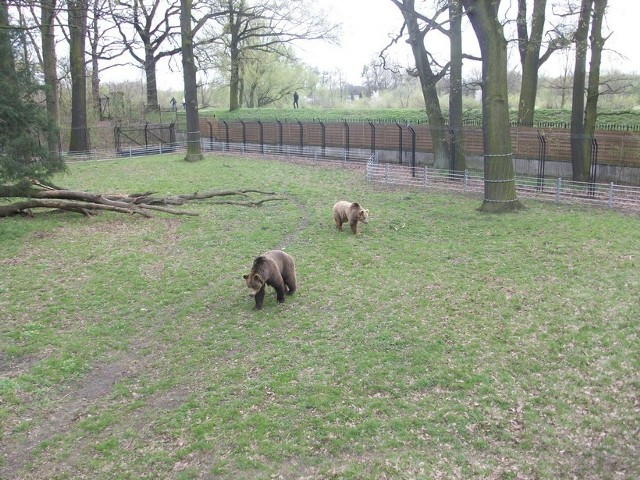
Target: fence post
<point>593,166</point>
<point>324,139</point>
<point>261,137</point>
<point>226,128</point>
<point>542,156</point>
<point>386,173</point>
<point>301,137</point>
<point>244,135</point>
<point>413,150</point>
<point>558,188</point>
<point>452,152</point>
<point>210,135</point>
<point>280,138</point>
<point>399,143</point>
<point>466,180</point>
<point>426,177</point>
<point>373,138</point>
<point>346,140</point>
<point>611,195</point>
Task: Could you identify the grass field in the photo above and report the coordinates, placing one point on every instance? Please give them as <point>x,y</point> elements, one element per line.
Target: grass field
<point>441,343</point>
<point>546,117</point>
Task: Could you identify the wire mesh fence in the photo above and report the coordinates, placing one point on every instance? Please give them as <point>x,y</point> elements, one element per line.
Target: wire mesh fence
<point>557,190</point>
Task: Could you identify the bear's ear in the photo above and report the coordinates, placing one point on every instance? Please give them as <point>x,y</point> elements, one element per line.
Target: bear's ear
<point>355,204</point>
<point>258,277</point>
<point>245,276</point>
<point>366,211</point>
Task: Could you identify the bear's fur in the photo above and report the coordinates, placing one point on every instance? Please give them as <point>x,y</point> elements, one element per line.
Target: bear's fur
<point>349,212</point>
<point>274,268</point>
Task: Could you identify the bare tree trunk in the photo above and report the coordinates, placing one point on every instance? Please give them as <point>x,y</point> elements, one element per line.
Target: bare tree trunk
<point>49,61</point>
<point>95,68</point>
<point>593,88</point>
<point>79,141</point>
<point>234,82</point>
<point>152,87</point>
<point>455,92</point>
<point>529,47</point>
<point>499,186</point>
<point>428,81</point>
<point>194,150</point>
<point>7,62</point>
<point>579,140</point>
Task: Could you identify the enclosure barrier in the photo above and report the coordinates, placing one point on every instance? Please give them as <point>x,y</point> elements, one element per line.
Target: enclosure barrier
<point>557,190</point>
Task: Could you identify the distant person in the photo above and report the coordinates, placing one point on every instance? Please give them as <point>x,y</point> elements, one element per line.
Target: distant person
<point>295,99</point>
<point>173,103</point>
<point>184,104</point>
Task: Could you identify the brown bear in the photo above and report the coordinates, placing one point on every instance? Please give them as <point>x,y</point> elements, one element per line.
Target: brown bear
<point>274,268</point>
<point>350,212</point>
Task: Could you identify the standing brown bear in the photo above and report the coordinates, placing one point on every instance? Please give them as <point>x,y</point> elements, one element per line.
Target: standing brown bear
<point>274,268</point>
<point>350,212</point>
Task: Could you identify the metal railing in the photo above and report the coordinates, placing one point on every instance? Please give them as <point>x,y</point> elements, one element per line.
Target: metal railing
<point>558,190</point>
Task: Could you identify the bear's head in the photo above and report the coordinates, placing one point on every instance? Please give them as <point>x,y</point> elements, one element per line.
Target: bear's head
<point>363,213</point>
<point>254,282</point>
<point>253,279</point>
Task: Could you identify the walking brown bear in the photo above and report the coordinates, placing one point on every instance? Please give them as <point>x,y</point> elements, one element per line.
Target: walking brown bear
<point>274,268</point>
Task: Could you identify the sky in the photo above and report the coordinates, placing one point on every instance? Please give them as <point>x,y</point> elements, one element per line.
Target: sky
<point>368,24</point>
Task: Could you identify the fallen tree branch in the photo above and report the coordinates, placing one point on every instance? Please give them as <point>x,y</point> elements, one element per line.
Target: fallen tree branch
<point>46,196</point>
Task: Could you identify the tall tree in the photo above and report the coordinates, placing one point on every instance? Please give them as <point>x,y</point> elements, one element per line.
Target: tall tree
<point>266,26</point>
<point>78,13</point>
<point>418,26</point>
<point>578,140</point>
<point>529,46</point>
<point>155,24</point>
<point>455,85</point>
<point>499,180</point>
<point>103,45</point>
<point>23,122</point>
<point>582,133</point>
<point>194,149</point>
<point>269,79</point>
<point>49,62</point>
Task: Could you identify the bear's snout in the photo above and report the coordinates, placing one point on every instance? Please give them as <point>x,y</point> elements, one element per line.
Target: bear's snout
<point>253,291</point>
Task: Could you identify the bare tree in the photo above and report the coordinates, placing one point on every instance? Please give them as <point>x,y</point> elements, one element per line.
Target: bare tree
<point>418,26</point>
<point>155,25</point>
<point>499,186</point>
<point>194,150</point>
<point>583,122</point>
<point>103,46</point>
<point>529,47</point>
<point>578,140</point>
<point>77,19</point>
<point>49,62</point>
<point>455,85</point>
<point>266,26</point>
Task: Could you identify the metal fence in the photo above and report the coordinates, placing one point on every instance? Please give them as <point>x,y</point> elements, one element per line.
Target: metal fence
<point>557,190</point>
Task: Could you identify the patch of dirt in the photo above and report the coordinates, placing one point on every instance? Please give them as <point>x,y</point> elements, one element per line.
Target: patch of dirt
<point>72,404</point>
<point>15,366</point>
<point>303,222</point>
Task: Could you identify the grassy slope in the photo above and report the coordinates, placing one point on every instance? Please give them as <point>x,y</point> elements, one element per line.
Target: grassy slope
<point>402,115</point>
<point>442,342</point>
